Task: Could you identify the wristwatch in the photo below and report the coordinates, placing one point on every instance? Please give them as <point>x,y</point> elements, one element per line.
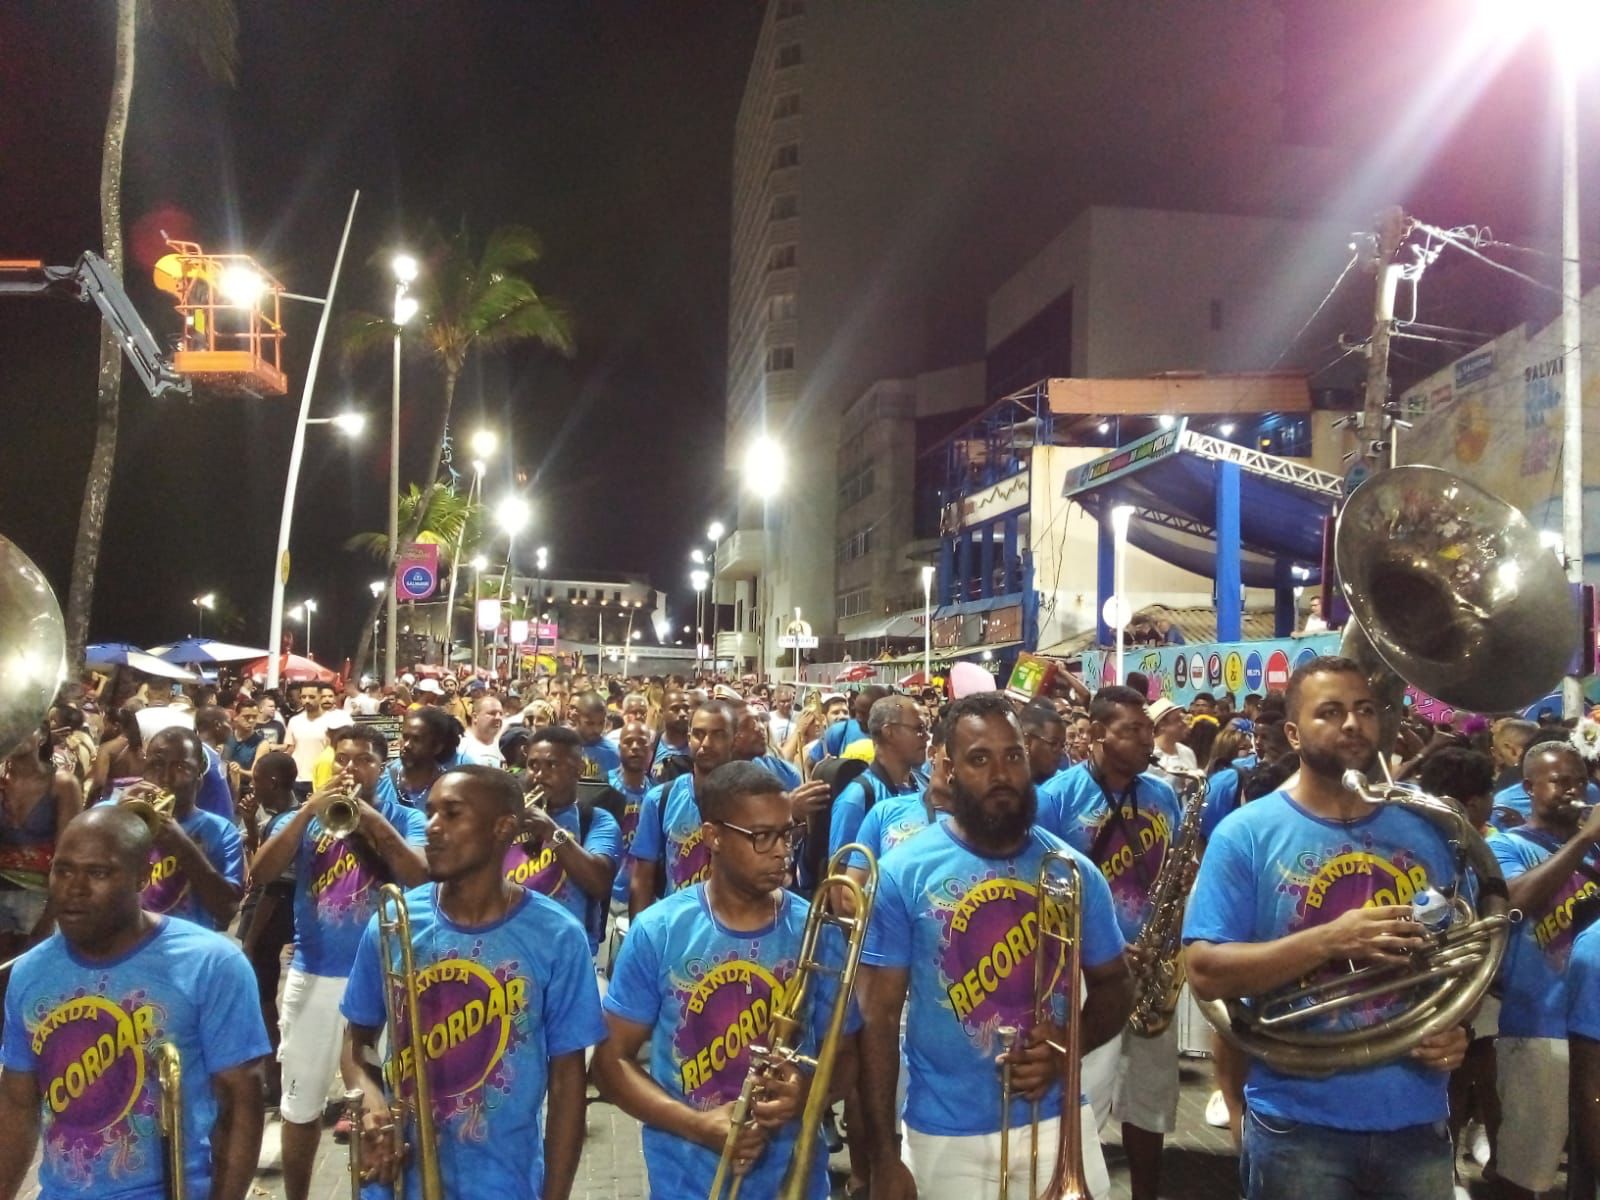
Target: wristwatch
<point>559,838</point>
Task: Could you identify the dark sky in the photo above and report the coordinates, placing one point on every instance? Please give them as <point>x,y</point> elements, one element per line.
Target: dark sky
<point>605,126</point>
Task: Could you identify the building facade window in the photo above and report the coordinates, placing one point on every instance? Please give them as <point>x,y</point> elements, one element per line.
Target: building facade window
<point>782,307</point>
<point>786,105</point>
<point>789,55</point>
<point>780,358</point>
<point>781,258</point>
<point>786,156</point>
<point>784,207</point>
<point>856,545</point>
<point>855,485</point>
<point>855,602</point>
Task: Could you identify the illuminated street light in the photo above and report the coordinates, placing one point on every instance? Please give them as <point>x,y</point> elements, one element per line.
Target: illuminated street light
<point>697,555</point>
<point>202,605</point>
<point>405,307</point>
<point>484,443</point>
<point>715,532</point>
<point>512,515</point>
<point>404,267</point>
<point>351,424</point>
<point>376,586</point>
<point>242,287</point>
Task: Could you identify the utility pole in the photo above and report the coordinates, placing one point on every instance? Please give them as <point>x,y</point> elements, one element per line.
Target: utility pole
<point>1572,349</point>
<point>1376,427</point>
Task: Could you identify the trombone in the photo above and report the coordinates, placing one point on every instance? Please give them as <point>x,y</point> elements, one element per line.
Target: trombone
<point>169,1078</point>
<point>1059,897</point>
<point>404,1014</point>
<point>788,1024</point>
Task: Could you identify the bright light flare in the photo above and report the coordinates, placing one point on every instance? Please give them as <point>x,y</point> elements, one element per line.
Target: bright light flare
<point>242,287</point>
<point>484,443</point>
<point>513,514</point>
<point>716,531</point>
<point>405,308</point>
<point>404,267</point>
<point>765,466</point>
<point>351,424</point>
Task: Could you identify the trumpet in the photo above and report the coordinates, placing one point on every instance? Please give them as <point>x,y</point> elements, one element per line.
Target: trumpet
<point>535,798</point>
<point>1059,891</point>
<point>789,1020</point>
<point>404,1015</point>
<point>342,817</point>
<point>152,809</point>
<point>169,1078</point>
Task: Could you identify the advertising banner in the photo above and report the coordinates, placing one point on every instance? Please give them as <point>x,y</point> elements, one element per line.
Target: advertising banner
<point>416,572</point>
<point>1180,672</point>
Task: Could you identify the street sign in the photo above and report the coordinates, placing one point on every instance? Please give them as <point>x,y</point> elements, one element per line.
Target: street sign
<point>799,641</point>
<point>417,571</point>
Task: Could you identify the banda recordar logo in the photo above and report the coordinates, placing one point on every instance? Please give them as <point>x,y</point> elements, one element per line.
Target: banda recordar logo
<point>991,936</point>
<point>1135,848</point>
<point>470,1018</point>
<point>725,1011</point>
<point>92,1066</point>
<point>691,861</point>
<point>538,872</point>
<point>168,885</point>
<point>340,880</point>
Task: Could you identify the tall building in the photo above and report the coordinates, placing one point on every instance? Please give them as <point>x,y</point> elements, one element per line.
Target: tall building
<point>896,162</point>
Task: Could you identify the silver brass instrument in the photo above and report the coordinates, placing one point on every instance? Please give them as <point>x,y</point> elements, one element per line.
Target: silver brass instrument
<point>535,798</point>
<point>35,640</point>
<point>1451,591</point>
<point>152,809</point>
<point>1059,898</point>
<point>790,1019</point>
<point>353,1111</point>
<point>342,817</point>
<point>404,1016</point>
<point>169,1079</point>
<point>1158,975</point>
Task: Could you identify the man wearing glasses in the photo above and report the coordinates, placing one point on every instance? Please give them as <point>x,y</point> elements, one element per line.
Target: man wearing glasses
<point>899,732</point>
<point>1045,734</point>
<point>697,980</point>
<point>197,865</point>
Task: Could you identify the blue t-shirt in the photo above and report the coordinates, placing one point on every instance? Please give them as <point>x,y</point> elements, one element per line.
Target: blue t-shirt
<point>86,1030</point>
<point>1128,846</point>
<point>966,927</point>
<point>168,891</point>
<point>781,767</point>
<point>1222,797</point>
<point>1531,985</point>
<point>669,831</point>
<point>1272,869</point>
<point>542,873</point>
<point>665,750</point>
<point>633,802</point>
<point>889,823</point>
<point>499,1002</point>
<point>866,791</point>
<point>600,758</point>
<point>706,993</point>
<point>835,738</point>
<point>215,796</point>
<point>1583,985</point>
<point>1515,798</point>
<point>336,886</point>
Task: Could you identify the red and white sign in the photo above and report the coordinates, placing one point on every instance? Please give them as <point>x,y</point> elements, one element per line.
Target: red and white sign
<point>1277,671</point>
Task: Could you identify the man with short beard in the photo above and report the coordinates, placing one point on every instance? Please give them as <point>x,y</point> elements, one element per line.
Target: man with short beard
<point>950,933</point>
<point>676,709</point>
<point>669,848</point>
<point>1301,883</point>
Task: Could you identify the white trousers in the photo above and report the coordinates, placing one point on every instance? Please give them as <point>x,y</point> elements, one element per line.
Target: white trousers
<point>966,1168</point>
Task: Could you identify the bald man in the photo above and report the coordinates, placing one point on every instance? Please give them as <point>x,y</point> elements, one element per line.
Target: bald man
<point>85,1012</point>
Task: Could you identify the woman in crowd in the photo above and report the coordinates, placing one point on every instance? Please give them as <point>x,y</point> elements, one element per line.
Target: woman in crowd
<point>37,799</point>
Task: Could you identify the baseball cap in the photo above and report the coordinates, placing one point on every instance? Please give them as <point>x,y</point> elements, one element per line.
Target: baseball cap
<point>431,686</point>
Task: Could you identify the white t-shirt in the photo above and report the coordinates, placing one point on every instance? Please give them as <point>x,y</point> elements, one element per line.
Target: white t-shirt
<point>484,754</point>
<point>363,705</point>
<point>780,726</point>
<point>310,738</point>
<point>1181,759</point>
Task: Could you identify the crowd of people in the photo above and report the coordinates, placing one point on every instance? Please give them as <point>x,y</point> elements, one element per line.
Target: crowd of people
<point>607,884</point>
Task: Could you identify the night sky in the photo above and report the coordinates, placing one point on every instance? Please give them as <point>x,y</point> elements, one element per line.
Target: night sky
<point>606,126</point>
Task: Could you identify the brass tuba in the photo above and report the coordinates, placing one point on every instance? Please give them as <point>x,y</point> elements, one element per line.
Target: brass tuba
<point>1158,979</point>
<point>790,1018</point>
<point>34,637</point>
<point>1059,900</point>
<point>1450,590</point>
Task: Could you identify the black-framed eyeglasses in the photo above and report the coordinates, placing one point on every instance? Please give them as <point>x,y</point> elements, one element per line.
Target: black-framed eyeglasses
<point>1056,744</point>
<point>763,840</point>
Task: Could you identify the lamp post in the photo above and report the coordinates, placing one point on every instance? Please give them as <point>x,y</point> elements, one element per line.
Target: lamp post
<point>512,514</point>
<point>697,580</point>
<point>1120,516</point>
<point>479,562</point>
<point>376,587</point>
<point>202,605</point>
<point>714,534</point>
<point>280,573</point>
<point>765,468</point>
<point>484,443</point>
<point>541,559</point>
<point>304,612</point>
<point>404,267</point>
<point>927,624</point>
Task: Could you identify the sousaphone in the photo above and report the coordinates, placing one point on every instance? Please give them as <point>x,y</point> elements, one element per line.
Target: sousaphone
<point>1451,591</point>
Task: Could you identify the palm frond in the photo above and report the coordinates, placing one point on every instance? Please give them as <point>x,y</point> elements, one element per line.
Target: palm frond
<point>508,247</point>
<point>360,333</point>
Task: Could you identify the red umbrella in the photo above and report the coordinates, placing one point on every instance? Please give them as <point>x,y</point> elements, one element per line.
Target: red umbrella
<point>856,673</point>
<point>292,668</point>
<point>915,681</point>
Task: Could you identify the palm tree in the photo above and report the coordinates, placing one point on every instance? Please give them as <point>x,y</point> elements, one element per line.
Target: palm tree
<point>465,301</point>
<point>444,517</point>
<point>210,28</point>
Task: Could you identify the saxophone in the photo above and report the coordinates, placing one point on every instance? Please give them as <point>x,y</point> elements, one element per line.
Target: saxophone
<point>1158,977</point>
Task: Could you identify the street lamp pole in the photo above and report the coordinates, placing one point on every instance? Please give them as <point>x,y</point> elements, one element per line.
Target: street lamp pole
<point>541,559</point>
<point>1120,516</point>
<point>927,625</point>
<point>405,273</point>
<point>280,574</point>
<point>376,587</point>
<point>310,607</point>
<point>714,533</point>
<point>201,604</point>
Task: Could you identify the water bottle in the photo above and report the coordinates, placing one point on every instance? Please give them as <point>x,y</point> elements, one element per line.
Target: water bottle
<point>1430,909</point>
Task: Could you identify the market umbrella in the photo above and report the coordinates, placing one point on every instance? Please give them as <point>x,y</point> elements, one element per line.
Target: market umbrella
<point>856,673</point>
<point>915,680</point>
<point>123,654</point>
<point>204,650</point>
<point>293,668</point>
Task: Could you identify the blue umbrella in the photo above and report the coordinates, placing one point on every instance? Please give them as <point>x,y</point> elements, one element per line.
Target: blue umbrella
<point>114,654</point>
<point>205,650</point>
<point>109,654</point>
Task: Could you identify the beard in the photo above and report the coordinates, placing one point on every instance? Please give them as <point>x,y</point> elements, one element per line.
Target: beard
<point>1333,762</point>
<point>998,827</point>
